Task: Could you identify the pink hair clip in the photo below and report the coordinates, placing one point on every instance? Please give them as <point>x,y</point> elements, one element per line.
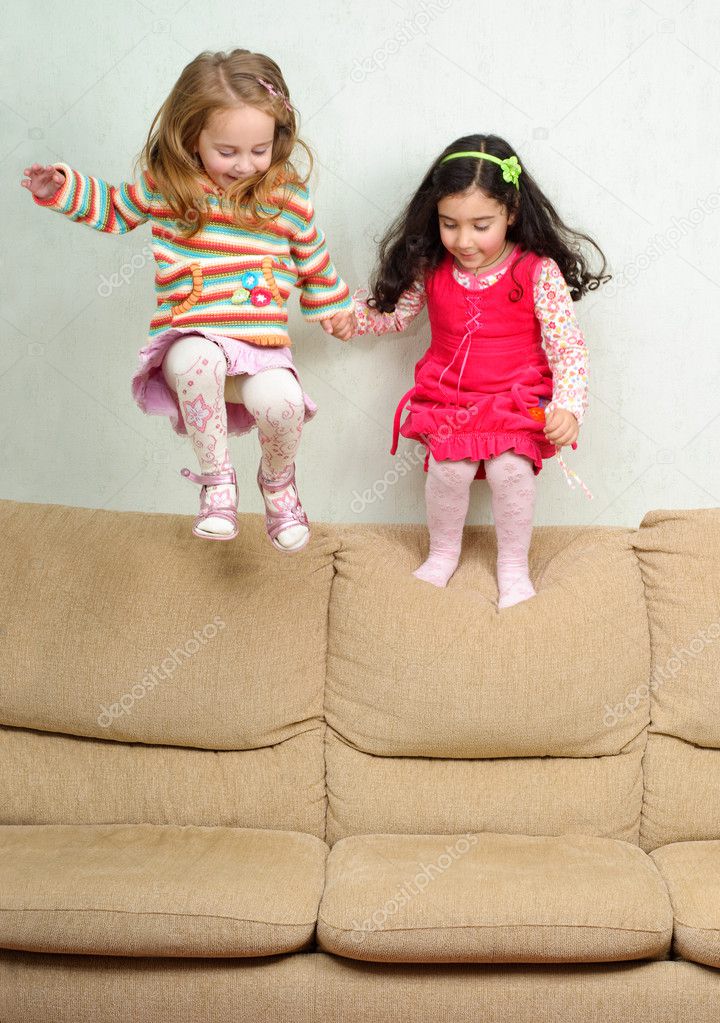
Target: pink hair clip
<point>273,91</point>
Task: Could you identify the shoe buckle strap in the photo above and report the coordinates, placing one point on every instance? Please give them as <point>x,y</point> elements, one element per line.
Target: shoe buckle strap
<point>210,478</point>
<point>280,482</point>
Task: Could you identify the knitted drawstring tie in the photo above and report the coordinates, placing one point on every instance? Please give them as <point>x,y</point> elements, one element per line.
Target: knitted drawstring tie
<point>571,472</point>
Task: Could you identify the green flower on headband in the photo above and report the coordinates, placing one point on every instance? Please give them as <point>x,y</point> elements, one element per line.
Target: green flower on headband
<point>510,167</point>
<point>511,170</point>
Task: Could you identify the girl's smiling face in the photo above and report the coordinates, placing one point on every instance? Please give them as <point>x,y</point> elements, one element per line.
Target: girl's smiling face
<point>235,144</point>
<point>473,227</point>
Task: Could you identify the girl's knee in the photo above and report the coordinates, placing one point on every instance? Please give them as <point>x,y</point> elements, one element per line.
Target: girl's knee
<point>185,353</point>
<point>274,393</point>
<point>281,382</point>
<point>459,471</point>
<point>509,465</point>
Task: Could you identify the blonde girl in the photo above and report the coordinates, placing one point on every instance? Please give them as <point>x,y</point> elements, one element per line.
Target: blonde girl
<point>233,230</point>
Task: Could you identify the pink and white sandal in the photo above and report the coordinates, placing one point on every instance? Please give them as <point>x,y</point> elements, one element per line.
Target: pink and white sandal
<point>292,514</point>
<point>209,509</point>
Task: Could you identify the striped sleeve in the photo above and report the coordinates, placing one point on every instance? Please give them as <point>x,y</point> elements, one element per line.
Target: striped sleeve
<point>324,292</point>
<point>104,207</point>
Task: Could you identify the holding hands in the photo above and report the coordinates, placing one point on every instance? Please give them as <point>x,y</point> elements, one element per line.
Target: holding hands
<point>42,181</point>
<point>341,325</point>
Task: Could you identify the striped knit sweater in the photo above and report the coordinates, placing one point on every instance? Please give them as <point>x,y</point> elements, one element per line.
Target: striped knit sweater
<point>226,279</point>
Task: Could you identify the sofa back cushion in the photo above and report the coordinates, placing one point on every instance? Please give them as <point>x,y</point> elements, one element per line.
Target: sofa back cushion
<point>150,675</point>
<point>444,713</point>
<point>679,555</point>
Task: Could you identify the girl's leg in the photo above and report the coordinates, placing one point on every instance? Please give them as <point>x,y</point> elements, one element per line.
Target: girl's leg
<point>275,400</point>
<point>195,369</point>
<point>447,495</point>
<point>512,485</point>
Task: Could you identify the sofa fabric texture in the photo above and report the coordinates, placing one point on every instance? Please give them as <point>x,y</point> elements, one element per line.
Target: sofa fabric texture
<point>316,788</point>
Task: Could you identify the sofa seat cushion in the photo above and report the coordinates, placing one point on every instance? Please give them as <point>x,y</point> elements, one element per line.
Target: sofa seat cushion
<point>492,898</point>
<point>691,871</point>
<point>158,890</point>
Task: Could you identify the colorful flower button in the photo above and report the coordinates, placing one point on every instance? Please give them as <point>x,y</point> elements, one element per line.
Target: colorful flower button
<point>240,296</point>
<point>261,296</point>
<point>538,412</point>
<point>250,279</point>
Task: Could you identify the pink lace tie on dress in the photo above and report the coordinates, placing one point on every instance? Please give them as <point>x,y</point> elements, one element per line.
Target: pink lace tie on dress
<point>475,306</point>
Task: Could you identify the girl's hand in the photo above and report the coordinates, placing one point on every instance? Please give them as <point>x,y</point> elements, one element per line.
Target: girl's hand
<point>42,181</point>
<point>561,427</point>
<point>341,325</point>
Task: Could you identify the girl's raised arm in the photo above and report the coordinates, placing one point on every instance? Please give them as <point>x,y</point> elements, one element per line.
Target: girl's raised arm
<point>92,201</point>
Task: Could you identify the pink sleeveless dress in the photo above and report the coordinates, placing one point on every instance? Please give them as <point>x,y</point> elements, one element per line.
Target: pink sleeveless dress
<point>482,384</point>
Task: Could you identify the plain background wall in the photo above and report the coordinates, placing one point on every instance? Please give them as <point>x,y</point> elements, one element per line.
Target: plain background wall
<point>611,106</point>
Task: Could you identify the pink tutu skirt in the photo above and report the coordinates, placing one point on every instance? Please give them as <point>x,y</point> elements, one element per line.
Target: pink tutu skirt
<point>153,395</point>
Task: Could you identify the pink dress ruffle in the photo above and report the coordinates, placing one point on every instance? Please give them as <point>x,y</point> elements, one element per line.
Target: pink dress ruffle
<point>489,425</point>
<point>478,446</point>
<point>153,395</point>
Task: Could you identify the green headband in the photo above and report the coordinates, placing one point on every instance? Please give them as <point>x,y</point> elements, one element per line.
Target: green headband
<point>510,167</point>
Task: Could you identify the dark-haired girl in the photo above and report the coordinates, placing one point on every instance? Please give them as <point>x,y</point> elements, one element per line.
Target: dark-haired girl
<point>503,384</point>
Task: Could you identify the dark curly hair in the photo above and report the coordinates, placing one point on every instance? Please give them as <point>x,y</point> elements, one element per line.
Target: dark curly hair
<point>412,244</point>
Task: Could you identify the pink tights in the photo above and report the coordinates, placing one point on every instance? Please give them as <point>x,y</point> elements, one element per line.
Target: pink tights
<point>447,495</point>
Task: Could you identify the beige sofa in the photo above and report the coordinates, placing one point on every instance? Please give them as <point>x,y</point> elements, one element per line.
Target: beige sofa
<point>241,786</point>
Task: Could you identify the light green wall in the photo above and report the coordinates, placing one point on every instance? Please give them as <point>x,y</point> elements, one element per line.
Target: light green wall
<point>609,106</point>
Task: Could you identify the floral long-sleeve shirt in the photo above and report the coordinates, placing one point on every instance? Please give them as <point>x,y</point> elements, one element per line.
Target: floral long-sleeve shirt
<point>562,338</point>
